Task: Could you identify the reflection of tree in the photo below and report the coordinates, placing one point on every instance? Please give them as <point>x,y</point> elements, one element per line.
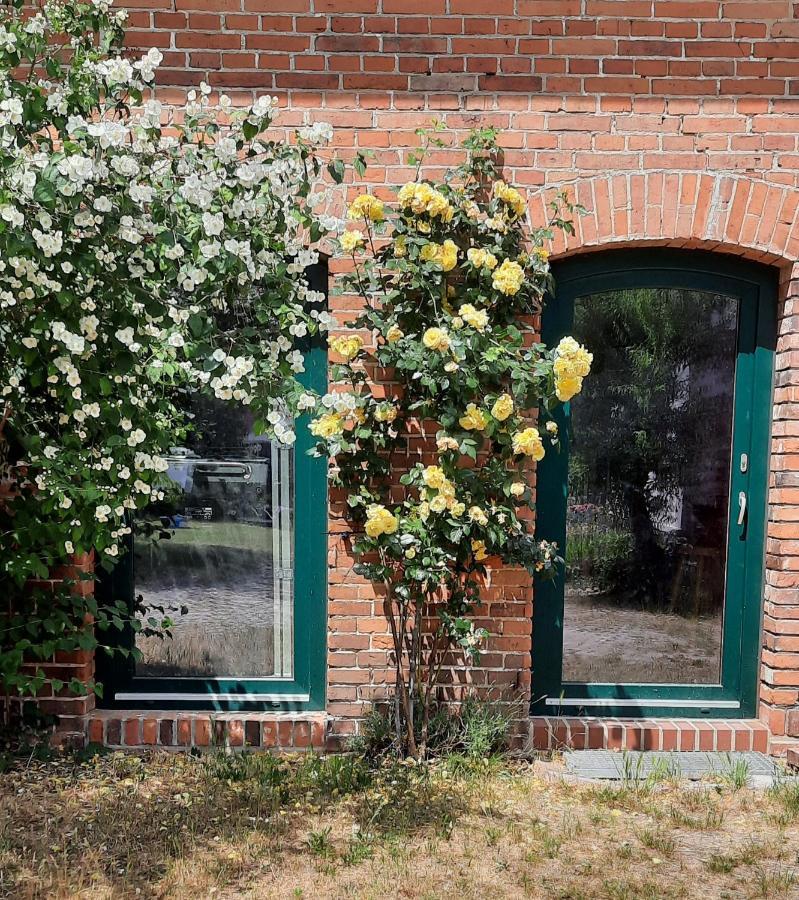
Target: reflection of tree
<point>655,415</point>
<point>218,427</point>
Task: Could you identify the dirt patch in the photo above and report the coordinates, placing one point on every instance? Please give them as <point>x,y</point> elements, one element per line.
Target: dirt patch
<point>177,827</point>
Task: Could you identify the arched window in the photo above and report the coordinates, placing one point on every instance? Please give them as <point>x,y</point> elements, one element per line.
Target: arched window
<point>657,494</point>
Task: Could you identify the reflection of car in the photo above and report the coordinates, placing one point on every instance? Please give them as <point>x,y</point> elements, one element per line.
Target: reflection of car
<point>237,490</point>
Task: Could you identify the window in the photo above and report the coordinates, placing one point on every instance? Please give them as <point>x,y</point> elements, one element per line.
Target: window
<point>235,555</point>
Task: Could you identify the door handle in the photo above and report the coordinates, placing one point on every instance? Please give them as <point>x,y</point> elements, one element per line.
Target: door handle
<point>741,507</point>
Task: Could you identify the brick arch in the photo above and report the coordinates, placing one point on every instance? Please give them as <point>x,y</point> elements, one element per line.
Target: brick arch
<point>734,214</point>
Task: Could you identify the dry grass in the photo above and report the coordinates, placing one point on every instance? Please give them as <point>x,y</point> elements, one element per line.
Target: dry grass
<point>180,827</point>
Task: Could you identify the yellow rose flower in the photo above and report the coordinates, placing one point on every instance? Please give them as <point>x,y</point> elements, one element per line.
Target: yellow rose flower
<point>438,504</point>
<point>423,199</point>
<point>458,509</point>
<point>503,407</point>
<point>429,253</point>
<point>510,197</point>
<point>348,347</point>
<point>572,364</point>
<point>444,255</point>
<point>448,258</point>
<point>400,247</point>
<point>541,253</point>
<point>479,550</point>
<point>436,339</point>
<point>528,443</point>
<point>480,258</point>
<point>552,427</point>
<point>394,334</point>
<point>477,514</point>
<point>366,206</point>
<point>380,521</point>
<point>566,388</point>
<point>518,488</point>
<point>327,425</point>
<point>508,278</point>
<point>385,412</point>
<point>477,318</point>
<point>424,511</point>
<point>473,419</point>
<point>434,477</point>
<point>351,240</point>
<point>446,443</point>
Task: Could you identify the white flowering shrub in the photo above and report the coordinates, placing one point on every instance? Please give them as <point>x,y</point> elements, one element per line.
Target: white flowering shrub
<point>145,253</point>
<point>443,372</point>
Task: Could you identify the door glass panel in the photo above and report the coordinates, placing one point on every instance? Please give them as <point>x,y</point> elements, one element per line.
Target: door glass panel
<point>649,475</point>
<point>216,554</point>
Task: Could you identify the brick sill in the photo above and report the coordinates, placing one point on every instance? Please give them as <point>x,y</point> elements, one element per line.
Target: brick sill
<point>174,729</point>
<point>586,733</point>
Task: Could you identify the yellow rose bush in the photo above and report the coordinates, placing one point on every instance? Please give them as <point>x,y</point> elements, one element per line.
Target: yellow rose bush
<point>450,274</point>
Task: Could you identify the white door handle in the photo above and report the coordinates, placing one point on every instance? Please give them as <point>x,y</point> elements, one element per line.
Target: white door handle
<point>741,507</point>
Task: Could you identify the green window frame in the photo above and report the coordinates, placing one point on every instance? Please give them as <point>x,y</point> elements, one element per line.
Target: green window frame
<point>755,285</point>
<point>305,689</point>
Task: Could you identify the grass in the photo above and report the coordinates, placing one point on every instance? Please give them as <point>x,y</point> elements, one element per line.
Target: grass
<point>262,826</point>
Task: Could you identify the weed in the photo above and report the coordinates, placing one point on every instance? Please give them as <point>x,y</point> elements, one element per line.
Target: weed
<point>721,864</point>
<point>493,835</point>
<point>775,883</point>
<point>786,793</point>
<point>319,843</point>
<point>657,840</point>
<point>734,772</point>
<point>712,819</point>
<point>359,849</point>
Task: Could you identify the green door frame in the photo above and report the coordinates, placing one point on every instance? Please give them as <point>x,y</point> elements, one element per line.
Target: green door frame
<point>305,690</point>
<point>736,695</point>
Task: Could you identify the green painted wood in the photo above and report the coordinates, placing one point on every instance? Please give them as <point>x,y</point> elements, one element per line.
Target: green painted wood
<point>755,286</point>
<point>310,592</point>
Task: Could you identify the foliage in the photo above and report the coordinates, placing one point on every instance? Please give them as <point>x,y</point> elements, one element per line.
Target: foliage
<point>477,728</point>
<point>144,253</point>
<point>448,298</point>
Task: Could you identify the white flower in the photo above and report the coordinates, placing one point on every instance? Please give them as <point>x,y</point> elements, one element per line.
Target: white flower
<point>125,166</point>
<point>213,223</point>
<point>50,243</point>
<point>69,547</point>
<point>147,65</point>
<point>115,71</point>
<point>225,150</point>
<point>12,215</point>
<point>110,132</point>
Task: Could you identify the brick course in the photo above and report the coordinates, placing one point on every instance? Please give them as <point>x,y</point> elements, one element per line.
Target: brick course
<point>673,123</point>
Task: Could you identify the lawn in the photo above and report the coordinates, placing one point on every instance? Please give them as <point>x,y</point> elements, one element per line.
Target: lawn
<point>255,825</point>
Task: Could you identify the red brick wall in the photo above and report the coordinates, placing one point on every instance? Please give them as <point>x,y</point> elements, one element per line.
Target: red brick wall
<point>674,122</point>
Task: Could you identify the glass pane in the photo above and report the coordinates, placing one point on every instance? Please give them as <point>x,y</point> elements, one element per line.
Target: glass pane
<point>223,566</point>
<point>649,474</point>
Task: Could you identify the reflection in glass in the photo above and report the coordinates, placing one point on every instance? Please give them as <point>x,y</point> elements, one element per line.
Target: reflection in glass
<point>649,475</point>
<point>225,554</point>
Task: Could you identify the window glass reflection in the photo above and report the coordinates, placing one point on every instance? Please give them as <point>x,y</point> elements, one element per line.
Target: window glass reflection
<point>649,475</point>
<point>217,553</point>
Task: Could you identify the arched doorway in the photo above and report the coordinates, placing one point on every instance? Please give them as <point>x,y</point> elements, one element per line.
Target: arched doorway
<point>657,494</point>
